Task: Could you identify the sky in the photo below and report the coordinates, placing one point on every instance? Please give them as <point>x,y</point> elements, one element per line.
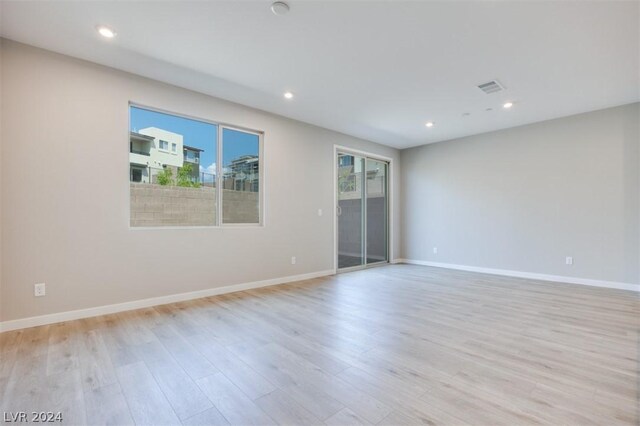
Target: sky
<point>198,134</point>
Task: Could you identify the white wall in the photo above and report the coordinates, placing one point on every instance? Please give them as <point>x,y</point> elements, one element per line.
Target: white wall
<point>65,192</point>
<point>523,199</point>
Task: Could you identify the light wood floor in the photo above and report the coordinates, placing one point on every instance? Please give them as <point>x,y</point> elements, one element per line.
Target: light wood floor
<point>391,345</point>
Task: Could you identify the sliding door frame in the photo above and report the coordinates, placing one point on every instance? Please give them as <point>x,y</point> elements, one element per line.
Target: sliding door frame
<point>346,150</point>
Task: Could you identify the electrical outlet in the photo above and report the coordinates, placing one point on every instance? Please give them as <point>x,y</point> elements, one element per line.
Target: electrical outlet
<point>293,260</point>
<point>319,212</point>
<point>569,260</point>
<point>435,250</point>
<point>39,289</point>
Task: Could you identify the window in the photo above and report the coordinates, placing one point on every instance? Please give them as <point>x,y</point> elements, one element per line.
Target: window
<point>345,160</point>
<point>182,190</point>
<point>136,174</point>
<point>241,176</point>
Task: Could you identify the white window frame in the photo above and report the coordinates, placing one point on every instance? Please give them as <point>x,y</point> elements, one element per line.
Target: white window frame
<point>219,167</point>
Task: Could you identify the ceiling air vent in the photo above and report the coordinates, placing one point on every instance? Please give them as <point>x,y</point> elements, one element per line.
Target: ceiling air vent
<point>491,87</point>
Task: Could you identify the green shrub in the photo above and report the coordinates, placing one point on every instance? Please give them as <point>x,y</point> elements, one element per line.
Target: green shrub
<point>165,177</point>
<point>185,177</point>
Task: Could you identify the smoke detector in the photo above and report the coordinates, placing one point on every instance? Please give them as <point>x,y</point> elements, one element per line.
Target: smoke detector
<point>491,87</point>
<point>279,8</point>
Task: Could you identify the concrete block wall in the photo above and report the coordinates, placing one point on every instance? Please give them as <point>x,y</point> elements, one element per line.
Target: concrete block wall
<point>157,205</point>
<point>350,225</point>
<point>240,206</point>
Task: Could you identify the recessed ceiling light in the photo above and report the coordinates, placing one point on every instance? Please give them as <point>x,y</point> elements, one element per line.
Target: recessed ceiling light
<point>507,105</point>
<point>105,31</point>
<point>288,95</point>
<point>429,124</point>
<point>280,8</point>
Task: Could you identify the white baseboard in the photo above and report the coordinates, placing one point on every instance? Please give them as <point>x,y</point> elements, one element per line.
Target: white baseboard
<point>529,275</point>
<point>154,301</point>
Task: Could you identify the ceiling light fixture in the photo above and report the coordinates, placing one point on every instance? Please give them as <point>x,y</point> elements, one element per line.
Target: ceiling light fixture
<point>279,8</point>
<point>507,105</point>
<point>105,32</point>
<point>288,95</point>
<point>429,124</point>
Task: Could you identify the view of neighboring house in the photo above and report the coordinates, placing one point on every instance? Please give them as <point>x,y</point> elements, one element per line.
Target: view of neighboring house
<point>243,174</point>
<point>350,182</point>
<point>153,149</point>
<point>139,156</point>
<point>191,156</point>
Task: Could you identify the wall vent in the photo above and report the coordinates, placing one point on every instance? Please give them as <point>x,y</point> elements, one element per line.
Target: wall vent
<point>491,87</point>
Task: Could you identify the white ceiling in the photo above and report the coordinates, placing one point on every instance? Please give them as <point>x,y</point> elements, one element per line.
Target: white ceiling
<point>376,70</point>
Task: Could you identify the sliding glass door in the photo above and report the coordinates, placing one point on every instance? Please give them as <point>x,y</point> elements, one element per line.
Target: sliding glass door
<point>362,210</point>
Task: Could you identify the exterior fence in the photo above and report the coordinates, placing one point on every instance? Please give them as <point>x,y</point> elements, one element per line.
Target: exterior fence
<point>146,174</point>
<point>350,185</point>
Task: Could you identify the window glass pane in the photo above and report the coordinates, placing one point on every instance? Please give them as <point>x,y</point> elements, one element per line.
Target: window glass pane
<point>376,211</point>
<point>241,177</point>
<point>350,208</point>
<point>177,187</point>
